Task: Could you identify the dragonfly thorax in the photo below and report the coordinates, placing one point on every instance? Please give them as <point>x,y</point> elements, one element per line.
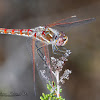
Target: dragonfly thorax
<point>45,34</point>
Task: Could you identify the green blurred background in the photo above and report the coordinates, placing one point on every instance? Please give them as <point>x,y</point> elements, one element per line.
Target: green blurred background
<point>15,61</point>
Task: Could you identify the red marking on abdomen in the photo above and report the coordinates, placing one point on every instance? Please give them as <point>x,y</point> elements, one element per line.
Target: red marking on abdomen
<point>13,31</point>
<point>5,31</point>
<point>28,32</point>
<point>21,31</point>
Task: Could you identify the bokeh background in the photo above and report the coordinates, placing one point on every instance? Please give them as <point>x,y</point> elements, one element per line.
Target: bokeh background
<point>16,72</point>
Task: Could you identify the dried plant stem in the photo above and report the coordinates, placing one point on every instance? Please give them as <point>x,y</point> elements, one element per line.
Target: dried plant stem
<point>58,87</point>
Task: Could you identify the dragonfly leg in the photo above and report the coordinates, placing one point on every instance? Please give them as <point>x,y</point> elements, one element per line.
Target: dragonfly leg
<point>59,49</point>
<point>57,53</point>
<point>39,51</point>
<point>64,48</point>
<point>55,48</point>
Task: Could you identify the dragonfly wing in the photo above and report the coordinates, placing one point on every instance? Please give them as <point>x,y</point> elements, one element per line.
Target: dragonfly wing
<point>42,62</point>
<point>45,66</point>
<point>67,19</point>
<point>71,19</point>
<point>75,23</point>
<point>30,44</point>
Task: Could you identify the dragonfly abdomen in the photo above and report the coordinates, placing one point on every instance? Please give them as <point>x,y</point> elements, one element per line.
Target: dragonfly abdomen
<point>25,32</point>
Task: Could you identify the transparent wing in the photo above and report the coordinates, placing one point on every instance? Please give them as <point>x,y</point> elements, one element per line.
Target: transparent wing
<point>74,23</point>
<point>45,68</point>
<point>67,19</point>
<point>30,43</point>
<point>42,61</point>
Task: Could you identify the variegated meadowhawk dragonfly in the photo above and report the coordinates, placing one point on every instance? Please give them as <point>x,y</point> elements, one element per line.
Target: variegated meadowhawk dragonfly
<point>48,36</point>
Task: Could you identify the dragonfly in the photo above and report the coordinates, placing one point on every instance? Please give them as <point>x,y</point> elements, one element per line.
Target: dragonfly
<point>47,35</point>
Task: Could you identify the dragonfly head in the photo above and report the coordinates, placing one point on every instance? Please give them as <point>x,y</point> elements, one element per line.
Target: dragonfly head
<point>59,37</point>
<point>61,40</point>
